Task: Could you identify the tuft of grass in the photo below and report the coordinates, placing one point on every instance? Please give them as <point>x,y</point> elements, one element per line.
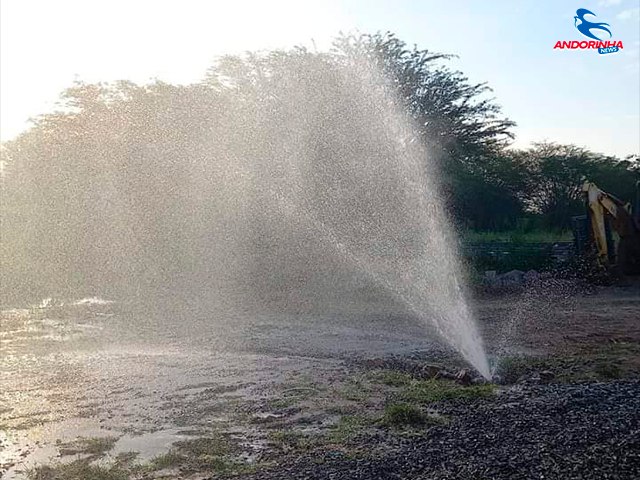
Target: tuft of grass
<point>167,460</point>
<point>402,415</point>
<point>78,470</point>
<point>126,458</point>
<point>427,391</point>
<point>88,445</point>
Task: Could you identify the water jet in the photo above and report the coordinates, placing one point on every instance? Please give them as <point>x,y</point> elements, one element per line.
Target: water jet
<point>345,180</point>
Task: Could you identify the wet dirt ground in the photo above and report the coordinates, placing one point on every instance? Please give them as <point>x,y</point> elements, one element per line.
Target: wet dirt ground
<point>97,370</point>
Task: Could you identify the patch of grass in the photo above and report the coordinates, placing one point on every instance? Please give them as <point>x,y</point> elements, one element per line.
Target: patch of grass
<point>296,390</point>
<point>595,362</point>
<point>348,427</point>
<point>512,368</point>
<point>88,445</point>
<point>168,460</point>
<point>209,454</point>
<point>292,440</point>
<point>619,348</point>
<point>352,393</point>
<point>341,409</point>
<point>78,470</point>
<point>567,369</point>
<point>608,370</point>
<point>218,445</point>
<point>355,389</point>
<point>402,415</point>
<point>391,378</point>
<point>126,458</point>
<point>427,391</point>
<point>220,464</point>
<point>284,402</point>
<point>616,360</point>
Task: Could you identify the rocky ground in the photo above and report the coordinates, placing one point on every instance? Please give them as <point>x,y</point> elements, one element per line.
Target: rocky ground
<point>82,397</point>
<point>559,431</point>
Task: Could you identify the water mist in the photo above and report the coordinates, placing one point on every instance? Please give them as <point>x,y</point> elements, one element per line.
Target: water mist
<point>337,167</point>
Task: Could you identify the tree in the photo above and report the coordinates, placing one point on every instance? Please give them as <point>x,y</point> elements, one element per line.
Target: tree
<point>555,174</point>
<point>463,128</point>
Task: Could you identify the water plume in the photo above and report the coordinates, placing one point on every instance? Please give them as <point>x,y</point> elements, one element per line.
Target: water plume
<point>290,182</point>
<point>342,173</point>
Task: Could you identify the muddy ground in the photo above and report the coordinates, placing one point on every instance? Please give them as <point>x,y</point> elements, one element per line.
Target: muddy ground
<point>100,390</point>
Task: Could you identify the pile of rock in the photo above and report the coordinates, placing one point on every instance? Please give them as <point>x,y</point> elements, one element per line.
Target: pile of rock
<point>514,278</point>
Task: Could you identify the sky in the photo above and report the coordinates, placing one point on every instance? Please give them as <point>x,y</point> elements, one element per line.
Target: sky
<point>567,96</point>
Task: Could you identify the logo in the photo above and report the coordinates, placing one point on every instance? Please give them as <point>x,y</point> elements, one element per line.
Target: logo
<point>599,32</point>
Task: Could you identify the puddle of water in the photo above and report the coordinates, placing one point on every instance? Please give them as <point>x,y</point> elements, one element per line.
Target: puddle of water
<point>41,445</point>
<point>149,445</point>
<point>38,445</point>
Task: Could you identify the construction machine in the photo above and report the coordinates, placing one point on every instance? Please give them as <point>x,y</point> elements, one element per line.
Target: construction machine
<point>605,212</point>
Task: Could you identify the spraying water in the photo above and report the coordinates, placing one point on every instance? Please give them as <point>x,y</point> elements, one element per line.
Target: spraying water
<point>289,182</point>
<point>351,179</point>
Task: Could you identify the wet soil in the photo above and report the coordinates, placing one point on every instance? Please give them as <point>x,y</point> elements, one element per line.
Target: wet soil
<point>305,396</point>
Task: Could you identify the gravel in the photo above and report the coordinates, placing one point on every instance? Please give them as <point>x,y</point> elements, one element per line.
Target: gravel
<point>555,431</point>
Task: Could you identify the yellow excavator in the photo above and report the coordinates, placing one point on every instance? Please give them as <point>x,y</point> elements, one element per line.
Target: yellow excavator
<point>606,212</point>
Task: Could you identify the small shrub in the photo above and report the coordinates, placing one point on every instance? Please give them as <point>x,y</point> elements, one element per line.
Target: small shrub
<point>403,414</point>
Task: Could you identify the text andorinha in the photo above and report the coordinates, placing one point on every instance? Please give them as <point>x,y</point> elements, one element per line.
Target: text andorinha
<point>575,44</point>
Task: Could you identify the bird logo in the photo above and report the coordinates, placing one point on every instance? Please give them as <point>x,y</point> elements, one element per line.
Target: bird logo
<point>585,26</point>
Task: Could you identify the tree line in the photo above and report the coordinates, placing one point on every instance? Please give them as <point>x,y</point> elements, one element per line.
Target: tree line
<point>114,183</point>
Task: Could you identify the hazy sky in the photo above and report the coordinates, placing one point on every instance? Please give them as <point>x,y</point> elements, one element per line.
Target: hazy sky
<point>573,96</point>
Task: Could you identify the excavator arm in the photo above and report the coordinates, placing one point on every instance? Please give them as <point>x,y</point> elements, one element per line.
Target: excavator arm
<point>602,206</point>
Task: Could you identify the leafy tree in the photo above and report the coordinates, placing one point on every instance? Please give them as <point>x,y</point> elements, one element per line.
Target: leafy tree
<point>461,126</point>
<point>555,173</point>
